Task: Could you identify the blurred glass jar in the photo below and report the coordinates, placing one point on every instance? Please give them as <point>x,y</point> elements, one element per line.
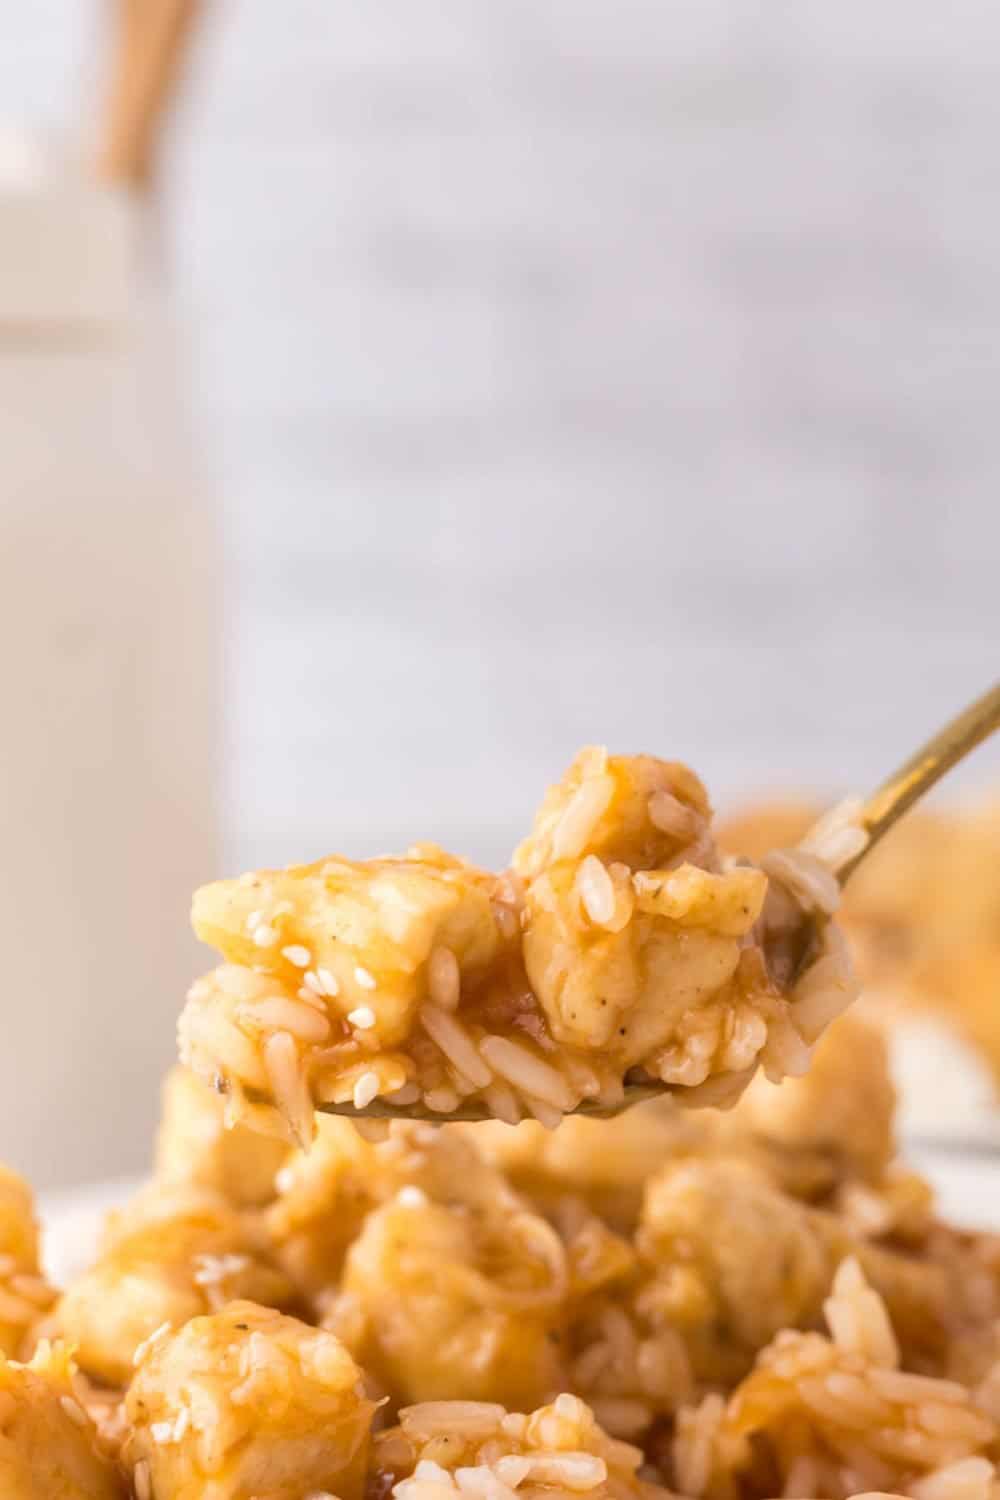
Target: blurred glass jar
<point>108,621</point>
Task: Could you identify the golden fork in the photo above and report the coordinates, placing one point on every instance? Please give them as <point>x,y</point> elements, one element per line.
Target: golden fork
<point>875,816</point>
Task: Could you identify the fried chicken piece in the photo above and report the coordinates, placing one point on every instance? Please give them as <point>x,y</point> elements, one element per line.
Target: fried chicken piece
<point>838,1116</point>
<point>169,1256</point>
<point>244,1403</point>
<point>735,1261</point>
<point>49,1448</point>
<point>25,1295</point>
<point>326,1194</point>
<point>193,1145</point>
<point>442,1300</point>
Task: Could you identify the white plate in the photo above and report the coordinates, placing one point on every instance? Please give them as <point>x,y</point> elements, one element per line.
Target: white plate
<point>967,1185</point>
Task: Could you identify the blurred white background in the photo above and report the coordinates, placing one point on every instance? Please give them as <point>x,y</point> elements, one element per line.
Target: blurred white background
<point>574,371</point>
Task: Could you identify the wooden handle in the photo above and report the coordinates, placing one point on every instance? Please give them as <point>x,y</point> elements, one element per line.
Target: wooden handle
<point>149,52</point>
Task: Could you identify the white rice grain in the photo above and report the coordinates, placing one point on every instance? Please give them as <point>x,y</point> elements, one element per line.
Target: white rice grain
<point>280,1013</point>
<point>141,1350</point>
<point>547,1115</point>
<point>469,1419</point>
<point>574,1471</point>
<point>582,813</point>
<point>513,1469</point>
<point>365,1090</point>
<point>857,1317</point>
<point>596,890</point>
<point>456,1044</point>
<point>442,1101</point>
<point>502,1102</point>
<point>481,1483</point>
<point>73,1410</point>
<point>444,978</point>
<point>968,1479</point>
<point>408,1094</point>
<point>671,816</point>
<point>526,1072</point>
<point>838,835</point>
<point>288,1085</point>
<point>812,884</point>
<point>895,1385</point>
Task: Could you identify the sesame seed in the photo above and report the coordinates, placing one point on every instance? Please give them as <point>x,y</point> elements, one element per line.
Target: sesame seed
<point>265,936</point>
<point>254,920</point>
<point>329,983</point>
<point>366,980</point>
<point>162,1432</point>
<point>365,1090</point>
<point>311,982</point>
<point>297,955</point>
<point>283,1179</point>
<point>182,1423</point>
<point>412,1196</point>
<point>363,1017</point>
<point>73,1410</point>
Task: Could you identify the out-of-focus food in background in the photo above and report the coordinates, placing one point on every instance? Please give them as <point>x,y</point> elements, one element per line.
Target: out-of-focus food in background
<point>922,915</point>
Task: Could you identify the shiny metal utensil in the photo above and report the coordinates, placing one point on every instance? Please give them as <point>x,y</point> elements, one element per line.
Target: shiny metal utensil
<point>876,815</point>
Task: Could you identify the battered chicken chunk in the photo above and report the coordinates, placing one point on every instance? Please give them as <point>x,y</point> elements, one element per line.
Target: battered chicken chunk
<point>247,1403</point>
<point>326,1194</point>
<point>736,1260</point>
<point>49,1448</point>
<point>167,1258</point>
<point>605,1162</point>
<point>836,1122</point>
<point>194,1146</point>
<point>438,1300</point>
<point>24,1293</point>
<point>617,946</point>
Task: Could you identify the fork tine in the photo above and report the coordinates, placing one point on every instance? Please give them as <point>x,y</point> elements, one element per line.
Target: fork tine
<point>635,1093</point>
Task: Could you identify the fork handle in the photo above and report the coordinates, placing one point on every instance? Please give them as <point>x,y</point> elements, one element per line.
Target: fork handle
<point>923,769</point>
